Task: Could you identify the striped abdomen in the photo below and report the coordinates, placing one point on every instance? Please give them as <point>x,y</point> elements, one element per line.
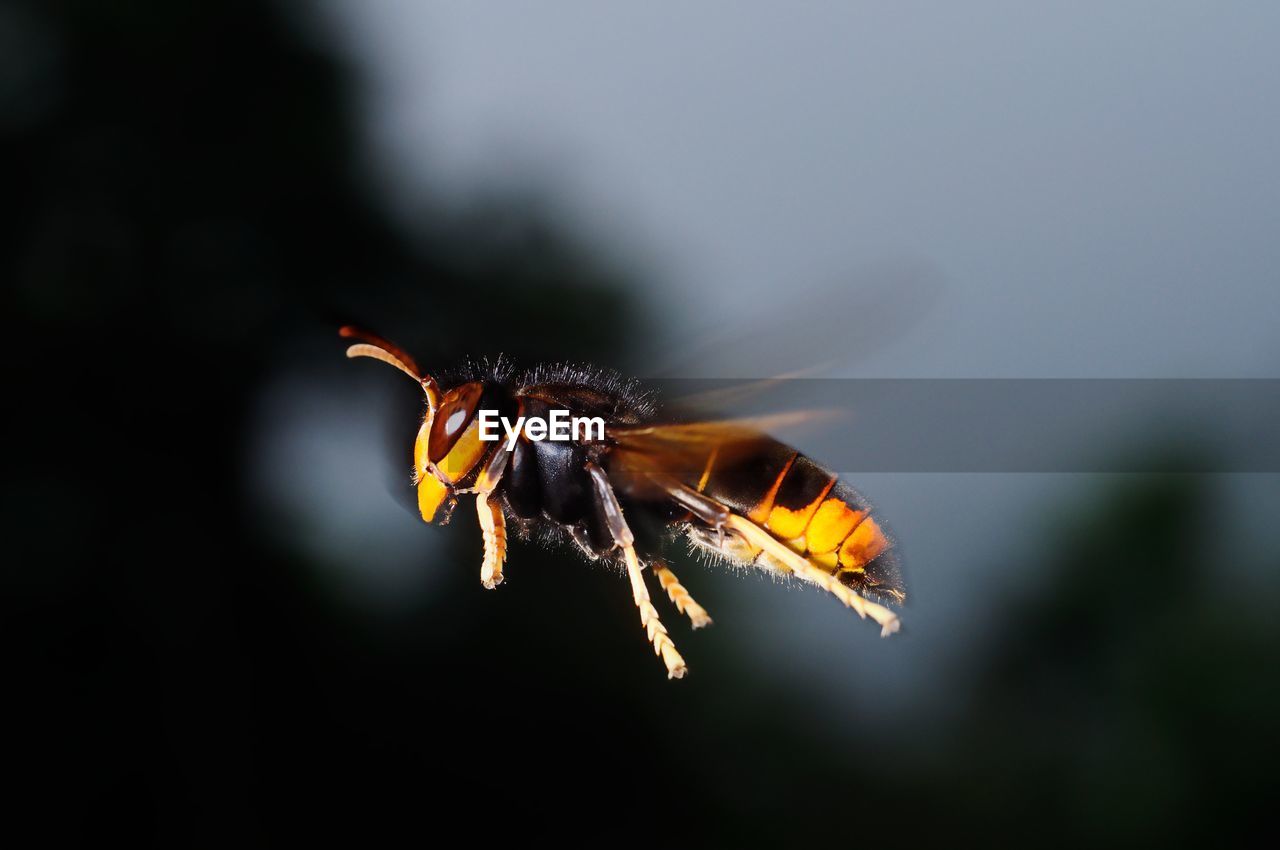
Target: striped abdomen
<point>809,509</point>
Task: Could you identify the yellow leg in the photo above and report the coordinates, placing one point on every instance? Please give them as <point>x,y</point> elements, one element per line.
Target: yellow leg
<point>494,526</point>
<point>800,565</point>
<point>653,627</point>
<point>684,603</point>
<point>624,540</point>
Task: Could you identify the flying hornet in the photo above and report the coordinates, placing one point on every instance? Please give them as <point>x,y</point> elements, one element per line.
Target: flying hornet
<point>620,491</point>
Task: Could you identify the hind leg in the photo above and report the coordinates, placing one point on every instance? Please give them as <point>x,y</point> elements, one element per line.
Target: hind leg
<point>720,518</point>
<point>800,565</point>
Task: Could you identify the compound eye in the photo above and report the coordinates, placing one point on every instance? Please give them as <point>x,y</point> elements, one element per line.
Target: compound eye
<point>457,409</point>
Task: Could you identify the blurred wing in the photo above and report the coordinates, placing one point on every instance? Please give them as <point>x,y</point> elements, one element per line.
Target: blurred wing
<point>686,450</point>
<point>731,368</point>
<point>789,330</point>
<point>708,399</point>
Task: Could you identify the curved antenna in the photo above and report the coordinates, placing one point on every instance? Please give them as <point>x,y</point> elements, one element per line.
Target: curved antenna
<point>365,350</point>
<point>380,349</point>
<point>352,332</point>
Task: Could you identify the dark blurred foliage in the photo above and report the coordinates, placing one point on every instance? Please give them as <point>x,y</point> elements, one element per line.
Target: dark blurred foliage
<point>1133,700</point>
<point>184,208</point>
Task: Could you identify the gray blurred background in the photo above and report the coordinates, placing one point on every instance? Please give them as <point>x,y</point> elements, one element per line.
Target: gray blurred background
<point>1094,183</point>
<point>236,627</point>
<point>1057,191</point>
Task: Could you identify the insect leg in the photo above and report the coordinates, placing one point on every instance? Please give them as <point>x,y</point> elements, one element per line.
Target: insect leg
<point>494,527</point>
<point>684,603</point>
<point>720,517</point>
<point>493,524</point>
<point>703,507</point>
<point>583,540</point>
<point>800,565</point>
<point>623,538</point>
<point>653,627</point>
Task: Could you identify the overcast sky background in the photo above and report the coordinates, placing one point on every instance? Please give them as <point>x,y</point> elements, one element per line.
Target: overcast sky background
<point>1095,184</point>
<point>1093,187</point>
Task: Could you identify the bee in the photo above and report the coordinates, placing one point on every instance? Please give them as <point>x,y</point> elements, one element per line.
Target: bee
<point>620,491</point>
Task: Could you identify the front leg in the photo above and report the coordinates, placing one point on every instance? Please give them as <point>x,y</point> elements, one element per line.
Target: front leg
<point>494,526</point>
